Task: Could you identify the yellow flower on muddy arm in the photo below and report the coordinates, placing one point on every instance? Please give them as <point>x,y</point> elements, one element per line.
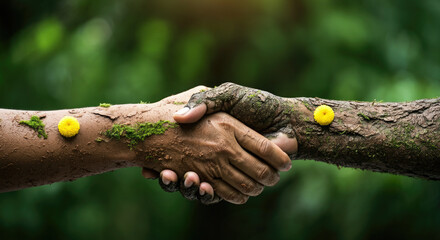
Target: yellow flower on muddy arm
<point>324,115</point>
<point>68,126</point>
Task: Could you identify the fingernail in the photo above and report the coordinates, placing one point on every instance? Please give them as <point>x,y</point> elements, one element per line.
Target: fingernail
<point>187,183</point>
<point>182,111</point>
<point>166,181</point>
<point>201,192</point>
<point>289,166</point>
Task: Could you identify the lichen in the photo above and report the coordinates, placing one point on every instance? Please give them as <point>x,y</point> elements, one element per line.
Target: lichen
<point>36,124</point>
<point>307,105</point>
<point>401,136</point>
<point>138,132</point>
<point>105,105</point>
<point>365,117</point>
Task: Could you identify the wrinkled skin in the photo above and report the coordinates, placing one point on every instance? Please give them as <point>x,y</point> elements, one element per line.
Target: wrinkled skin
<point>223,158</point>
<point>260,110</point>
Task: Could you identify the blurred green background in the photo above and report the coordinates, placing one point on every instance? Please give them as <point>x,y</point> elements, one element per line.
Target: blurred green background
<point>65,54</point>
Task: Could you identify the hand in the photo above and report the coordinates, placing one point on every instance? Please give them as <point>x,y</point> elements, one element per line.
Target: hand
<point>258,109</point>
<point>236,161</point>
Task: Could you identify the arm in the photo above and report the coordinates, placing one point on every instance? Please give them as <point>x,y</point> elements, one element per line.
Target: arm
<point>398,138</point>
<point>213,148</point>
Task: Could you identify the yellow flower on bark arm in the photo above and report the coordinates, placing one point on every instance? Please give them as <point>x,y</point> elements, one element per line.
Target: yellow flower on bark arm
<point>324,115</point>
<point>68,126</point>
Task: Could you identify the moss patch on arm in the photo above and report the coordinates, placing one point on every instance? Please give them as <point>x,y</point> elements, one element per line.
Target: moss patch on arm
<point>105,105</point>
<point>178,103</point>
<point>36,124</point>
<point>138,132</point>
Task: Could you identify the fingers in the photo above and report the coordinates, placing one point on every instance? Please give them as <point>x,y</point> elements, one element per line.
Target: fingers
<point>206,194</point>
<point>262,147</point>
<point>190,115</point>
<point>285,143</point>
<point>241,182</point>
<point>168,181</point>
<point>206,102</point>
<point>190,187</point>
<point>228,193</point>
<point>256,169</point>
<point>206,188</point>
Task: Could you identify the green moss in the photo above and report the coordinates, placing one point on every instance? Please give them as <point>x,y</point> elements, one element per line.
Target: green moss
<point>401,136</point>
<point>309,130</point>
<point>138,132</point>
<point>105,105</point>
<point>251,96</point>
<point>365,117</point>
<point>289,108</point>
<point>307,105</point>
<point>258,104</point>
<point>36,124</point>
<point>178,103</point>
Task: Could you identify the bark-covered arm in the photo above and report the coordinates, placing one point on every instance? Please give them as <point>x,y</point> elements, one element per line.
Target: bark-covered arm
<point>398,138</point>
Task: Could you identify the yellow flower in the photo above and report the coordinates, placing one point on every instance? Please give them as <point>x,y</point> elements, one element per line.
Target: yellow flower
<point>324,115</point>
<point>68,126</point>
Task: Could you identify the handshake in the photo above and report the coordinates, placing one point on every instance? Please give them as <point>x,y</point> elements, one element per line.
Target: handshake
<point>225,155</point>
<point>230,141</point>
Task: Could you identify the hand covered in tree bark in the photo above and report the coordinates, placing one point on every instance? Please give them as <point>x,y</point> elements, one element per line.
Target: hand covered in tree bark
<point>259,110</point>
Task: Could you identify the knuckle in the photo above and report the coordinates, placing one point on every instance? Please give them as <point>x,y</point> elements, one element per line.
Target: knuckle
<point>263,174</point>
<point>264,146</point>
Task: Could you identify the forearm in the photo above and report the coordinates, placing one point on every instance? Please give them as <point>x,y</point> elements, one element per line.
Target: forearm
<point>26,160</point>
<point>399,138</point>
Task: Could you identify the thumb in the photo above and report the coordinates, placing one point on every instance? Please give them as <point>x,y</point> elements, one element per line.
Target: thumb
<point>190,115</point>
<point>287,144</point>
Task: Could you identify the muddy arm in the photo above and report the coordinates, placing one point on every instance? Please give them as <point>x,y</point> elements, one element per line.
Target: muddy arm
<point>218,148</point>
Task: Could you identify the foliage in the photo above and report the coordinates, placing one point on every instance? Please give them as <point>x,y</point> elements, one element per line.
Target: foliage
<point>65,54</point>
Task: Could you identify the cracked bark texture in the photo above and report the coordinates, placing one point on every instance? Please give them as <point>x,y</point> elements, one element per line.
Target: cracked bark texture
<point>398,138</point>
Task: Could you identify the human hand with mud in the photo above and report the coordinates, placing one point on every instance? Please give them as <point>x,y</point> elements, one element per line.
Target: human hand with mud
<point>234,159</point>
<point>260,110</point>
